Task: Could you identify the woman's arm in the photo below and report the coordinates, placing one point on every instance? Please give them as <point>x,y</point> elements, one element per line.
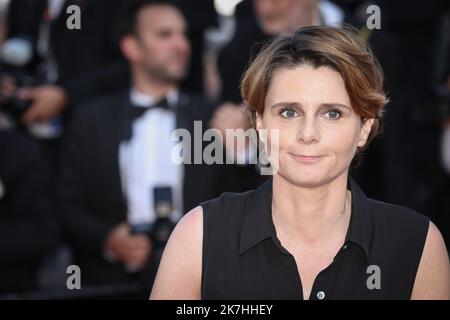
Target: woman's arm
<point>179,273</point>
<point>433,276</point>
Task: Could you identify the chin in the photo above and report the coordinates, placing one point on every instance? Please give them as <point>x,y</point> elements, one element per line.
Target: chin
<point>301,178</point>
<point>306,180</point>
<point>272,28</point>
<point>177,75</point>
<point>173,78</point>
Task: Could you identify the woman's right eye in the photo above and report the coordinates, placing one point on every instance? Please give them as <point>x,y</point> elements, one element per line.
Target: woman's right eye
<point>289,113</point>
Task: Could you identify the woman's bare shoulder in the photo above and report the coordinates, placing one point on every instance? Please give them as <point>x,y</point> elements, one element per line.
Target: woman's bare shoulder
<point>190,224</point>
<point>179,273</point>
<point>433,276</point>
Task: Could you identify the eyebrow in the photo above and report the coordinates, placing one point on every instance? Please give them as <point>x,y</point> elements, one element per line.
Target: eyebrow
<point>298,105</point>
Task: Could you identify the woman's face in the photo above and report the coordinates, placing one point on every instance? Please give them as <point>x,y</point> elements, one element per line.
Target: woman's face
<point>318,130</point>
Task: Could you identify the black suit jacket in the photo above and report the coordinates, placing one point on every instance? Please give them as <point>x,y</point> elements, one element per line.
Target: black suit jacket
<point>29,229</point>
<point>90,186</point>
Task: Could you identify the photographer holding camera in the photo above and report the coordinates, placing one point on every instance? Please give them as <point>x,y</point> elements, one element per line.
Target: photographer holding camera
<point>45,64</point>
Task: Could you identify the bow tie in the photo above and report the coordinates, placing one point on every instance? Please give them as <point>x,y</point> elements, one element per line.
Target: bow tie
<point>138,111</point>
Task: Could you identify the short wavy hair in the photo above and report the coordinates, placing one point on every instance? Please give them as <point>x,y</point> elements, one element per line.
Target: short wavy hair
<point>340,49</point>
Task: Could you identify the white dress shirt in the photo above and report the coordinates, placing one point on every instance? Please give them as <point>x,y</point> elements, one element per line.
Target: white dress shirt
<point>145,160</point>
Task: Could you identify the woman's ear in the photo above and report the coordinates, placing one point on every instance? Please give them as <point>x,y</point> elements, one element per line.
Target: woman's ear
<point>259,126</point>
<point>258,121</point>
<point>365,131</point>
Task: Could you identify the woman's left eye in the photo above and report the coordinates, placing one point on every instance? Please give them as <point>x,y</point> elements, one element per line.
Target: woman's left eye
<point>333,114</point>
<point>289,113</point>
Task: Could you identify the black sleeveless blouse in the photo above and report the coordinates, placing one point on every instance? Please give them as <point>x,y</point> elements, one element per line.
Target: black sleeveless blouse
<point>244,259</point>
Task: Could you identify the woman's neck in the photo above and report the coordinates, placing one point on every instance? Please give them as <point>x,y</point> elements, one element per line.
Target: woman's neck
<point>311,214</point>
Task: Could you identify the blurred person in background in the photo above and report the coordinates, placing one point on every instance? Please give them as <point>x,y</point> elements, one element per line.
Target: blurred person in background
<point>29,231</point>
<point>45,63</point>
<point>440,199</point>
<point>88,59</point>
<point>61,55</point>
<point>199,16</point>
<point>441,202</point>
<point>118,151</point>
<point>257,21</point>
<point>403,167</point>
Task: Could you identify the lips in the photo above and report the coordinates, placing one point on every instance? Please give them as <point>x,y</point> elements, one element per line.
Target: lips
<point>306,158</point>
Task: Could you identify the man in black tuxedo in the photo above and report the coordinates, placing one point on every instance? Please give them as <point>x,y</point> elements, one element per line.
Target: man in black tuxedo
<point>109,167</point>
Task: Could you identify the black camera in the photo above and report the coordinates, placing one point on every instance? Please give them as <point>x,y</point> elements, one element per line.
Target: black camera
<point>159,231</point>
<point>16,55</point>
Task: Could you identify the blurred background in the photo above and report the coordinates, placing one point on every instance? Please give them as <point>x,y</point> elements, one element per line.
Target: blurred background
<point>90,91</point>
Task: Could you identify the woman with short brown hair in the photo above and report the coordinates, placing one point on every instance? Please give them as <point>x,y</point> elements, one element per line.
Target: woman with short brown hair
<point>309,232</point>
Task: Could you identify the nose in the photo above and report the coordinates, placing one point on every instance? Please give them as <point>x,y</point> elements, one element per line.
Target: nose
<point>308,132</point>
